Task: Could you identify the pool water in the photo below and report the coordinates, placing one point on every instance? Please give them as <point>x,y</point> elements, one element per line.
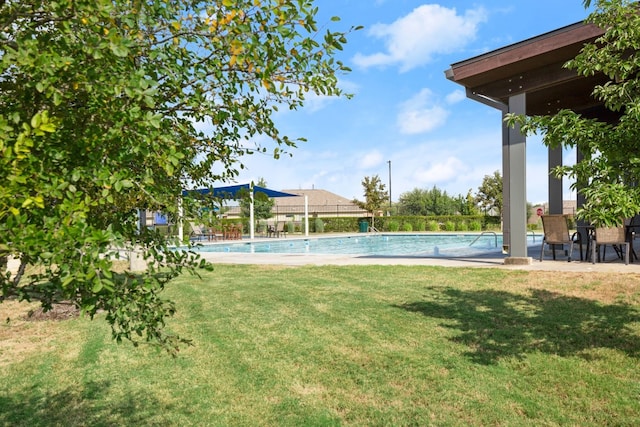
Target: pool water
<point>447,245</point>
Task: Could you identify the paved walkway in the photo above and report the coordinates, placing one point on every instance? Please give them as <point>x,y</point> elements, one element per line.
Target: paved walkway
<point>492,260</point>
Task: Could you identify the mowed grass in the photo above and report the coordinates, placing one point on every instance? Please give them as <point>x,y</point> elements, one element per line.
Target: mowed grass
<point>356,345</point>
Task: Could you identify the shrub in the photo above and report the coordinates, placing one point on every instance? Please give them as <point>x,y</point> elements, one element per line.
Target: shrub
<point>261,227</point>
<point>318,225</point>
<point>475,226</point>
<point>450,226</point>
<point>394,226</point>
<point>434,226</point>
<point>407,226</point>
<point>462,226</point>
<point>421,225</point>
<point>340,224</point>
<point>291,227</point>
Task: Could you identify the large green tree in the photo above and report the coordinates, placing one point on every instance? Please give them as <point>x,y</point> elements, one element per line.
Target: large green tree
<point>375,195</point>
<point>434,202</point>
<point>608,174</point>
<point>489,195</point>
<point>111,105</point>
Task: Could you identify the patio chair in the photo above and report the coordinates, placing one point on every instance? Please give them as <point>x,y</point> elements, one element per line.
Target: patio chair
<point>632,228</point>
<point>237,231</point>
<point>271,230</point>
<point>556,232</point>
<point>215,233</point>
<point>613,236</point>
<point>227,231</point>
<point>280,229</point>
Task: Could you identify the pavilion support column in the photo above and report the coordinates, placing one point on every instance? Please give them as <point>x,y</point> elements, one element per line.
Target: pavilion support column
<point>306,215</point>
<point>555,184</point>
<point>252,226</point>
<point>515,174</point>
<point>180,221</point>
<point>506,179</point>
<point>580,199</point>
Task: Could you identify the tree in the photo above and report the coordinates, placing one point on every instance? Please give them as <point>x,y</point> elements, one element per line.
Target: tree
<point>262,204</point>
<point>469,206</point>
<point>412,202</point>
<point>107,106</point>
<point>489,196</point>
<point>375,196</point>
<point>435,202</point>
<point>608,174</point>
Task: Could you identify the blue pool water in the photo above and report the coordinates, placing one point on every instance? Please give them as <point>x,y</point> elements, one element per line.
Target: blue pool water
<point>447,245</point>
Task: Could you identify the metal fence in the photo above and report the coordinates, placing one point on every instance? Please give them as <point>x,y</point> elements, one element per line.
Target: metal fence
<point>314,211</point>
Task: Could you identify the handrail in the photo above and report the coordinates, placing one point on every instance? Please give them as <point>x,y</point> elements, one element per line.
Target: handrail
<point>532,234</point>
<point>486,233</point>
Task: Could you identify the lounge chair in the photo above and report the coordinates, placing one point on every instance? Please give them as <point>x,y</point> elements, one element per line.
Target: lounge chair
<point>556,232</point>
<point>198,231</point>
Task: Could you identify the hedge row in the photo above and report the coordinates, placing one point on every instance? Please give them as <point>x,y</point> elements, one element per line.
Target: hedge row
<point>416,223</point>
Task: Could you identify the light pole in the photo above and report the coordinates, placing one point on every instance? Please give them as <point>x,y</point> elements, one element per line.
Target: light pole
<point>389,185</point>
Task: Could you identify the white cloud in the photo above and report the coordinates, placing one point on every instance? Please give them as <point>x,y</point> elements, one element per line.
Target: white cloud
<point>370,160</point>
<point>428,30</point>
<point>441,171</point>
<point>315,102</point>
<point>455,97</point>
<point>419,115</point>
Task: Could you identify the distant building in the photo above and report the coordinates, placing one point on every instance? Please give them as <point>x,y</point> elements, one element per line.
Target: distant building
<point>321,203</point>
<point>569,207</point>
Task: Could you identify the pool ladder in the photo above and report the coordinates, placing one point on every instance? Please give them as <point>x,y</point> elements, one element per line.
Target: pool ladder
<point>486,233</point>
<point>495,236</point>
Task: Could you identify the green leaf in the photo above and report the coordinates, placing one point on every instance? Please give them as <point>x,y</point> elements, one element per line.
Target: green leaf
<point>68,280</point>
<point>119,50</point>
<point>97,286</point>
<point>48,127</point>
<point>36,120</point>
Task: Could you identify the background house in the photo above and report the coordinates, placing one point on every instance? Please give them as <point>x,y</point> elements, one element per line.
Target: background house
<point>321,204</point>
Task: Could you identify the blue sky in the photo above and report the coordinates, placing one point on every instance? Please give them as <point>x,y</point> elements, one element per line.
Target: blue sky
<point>404,109</point>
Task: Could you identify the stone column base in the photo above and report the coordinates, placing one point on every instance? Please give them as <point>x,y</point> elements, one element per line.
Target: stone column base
<point>514,260</point>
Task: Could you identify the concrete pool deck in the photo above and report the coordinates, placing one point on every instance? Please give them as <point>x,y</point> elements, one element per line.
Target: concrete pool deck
<point>492,260</point>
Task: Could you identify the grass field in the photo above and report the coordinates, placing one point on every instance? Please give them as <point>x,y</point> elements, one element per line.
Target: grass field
<point>357,345</point>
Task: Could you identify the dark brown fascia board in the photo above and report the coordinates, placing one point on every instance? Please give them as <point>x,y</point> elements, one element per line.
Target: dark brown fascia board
<point>577,33</point>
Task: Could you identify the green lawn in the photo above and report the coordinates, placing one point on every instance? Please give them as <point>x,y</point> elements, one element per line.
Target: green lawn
<point>357,345</point>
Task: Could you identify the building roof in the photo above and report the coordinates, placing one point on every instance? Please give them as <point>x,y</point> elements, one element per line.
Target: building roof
<point>319,202</point>
<point>315,197</point>
<point>535,67</point>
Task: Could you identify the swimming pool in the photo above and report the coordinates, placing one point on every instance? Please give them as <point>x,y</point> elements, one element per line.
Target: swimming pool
<point>445,245</point>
